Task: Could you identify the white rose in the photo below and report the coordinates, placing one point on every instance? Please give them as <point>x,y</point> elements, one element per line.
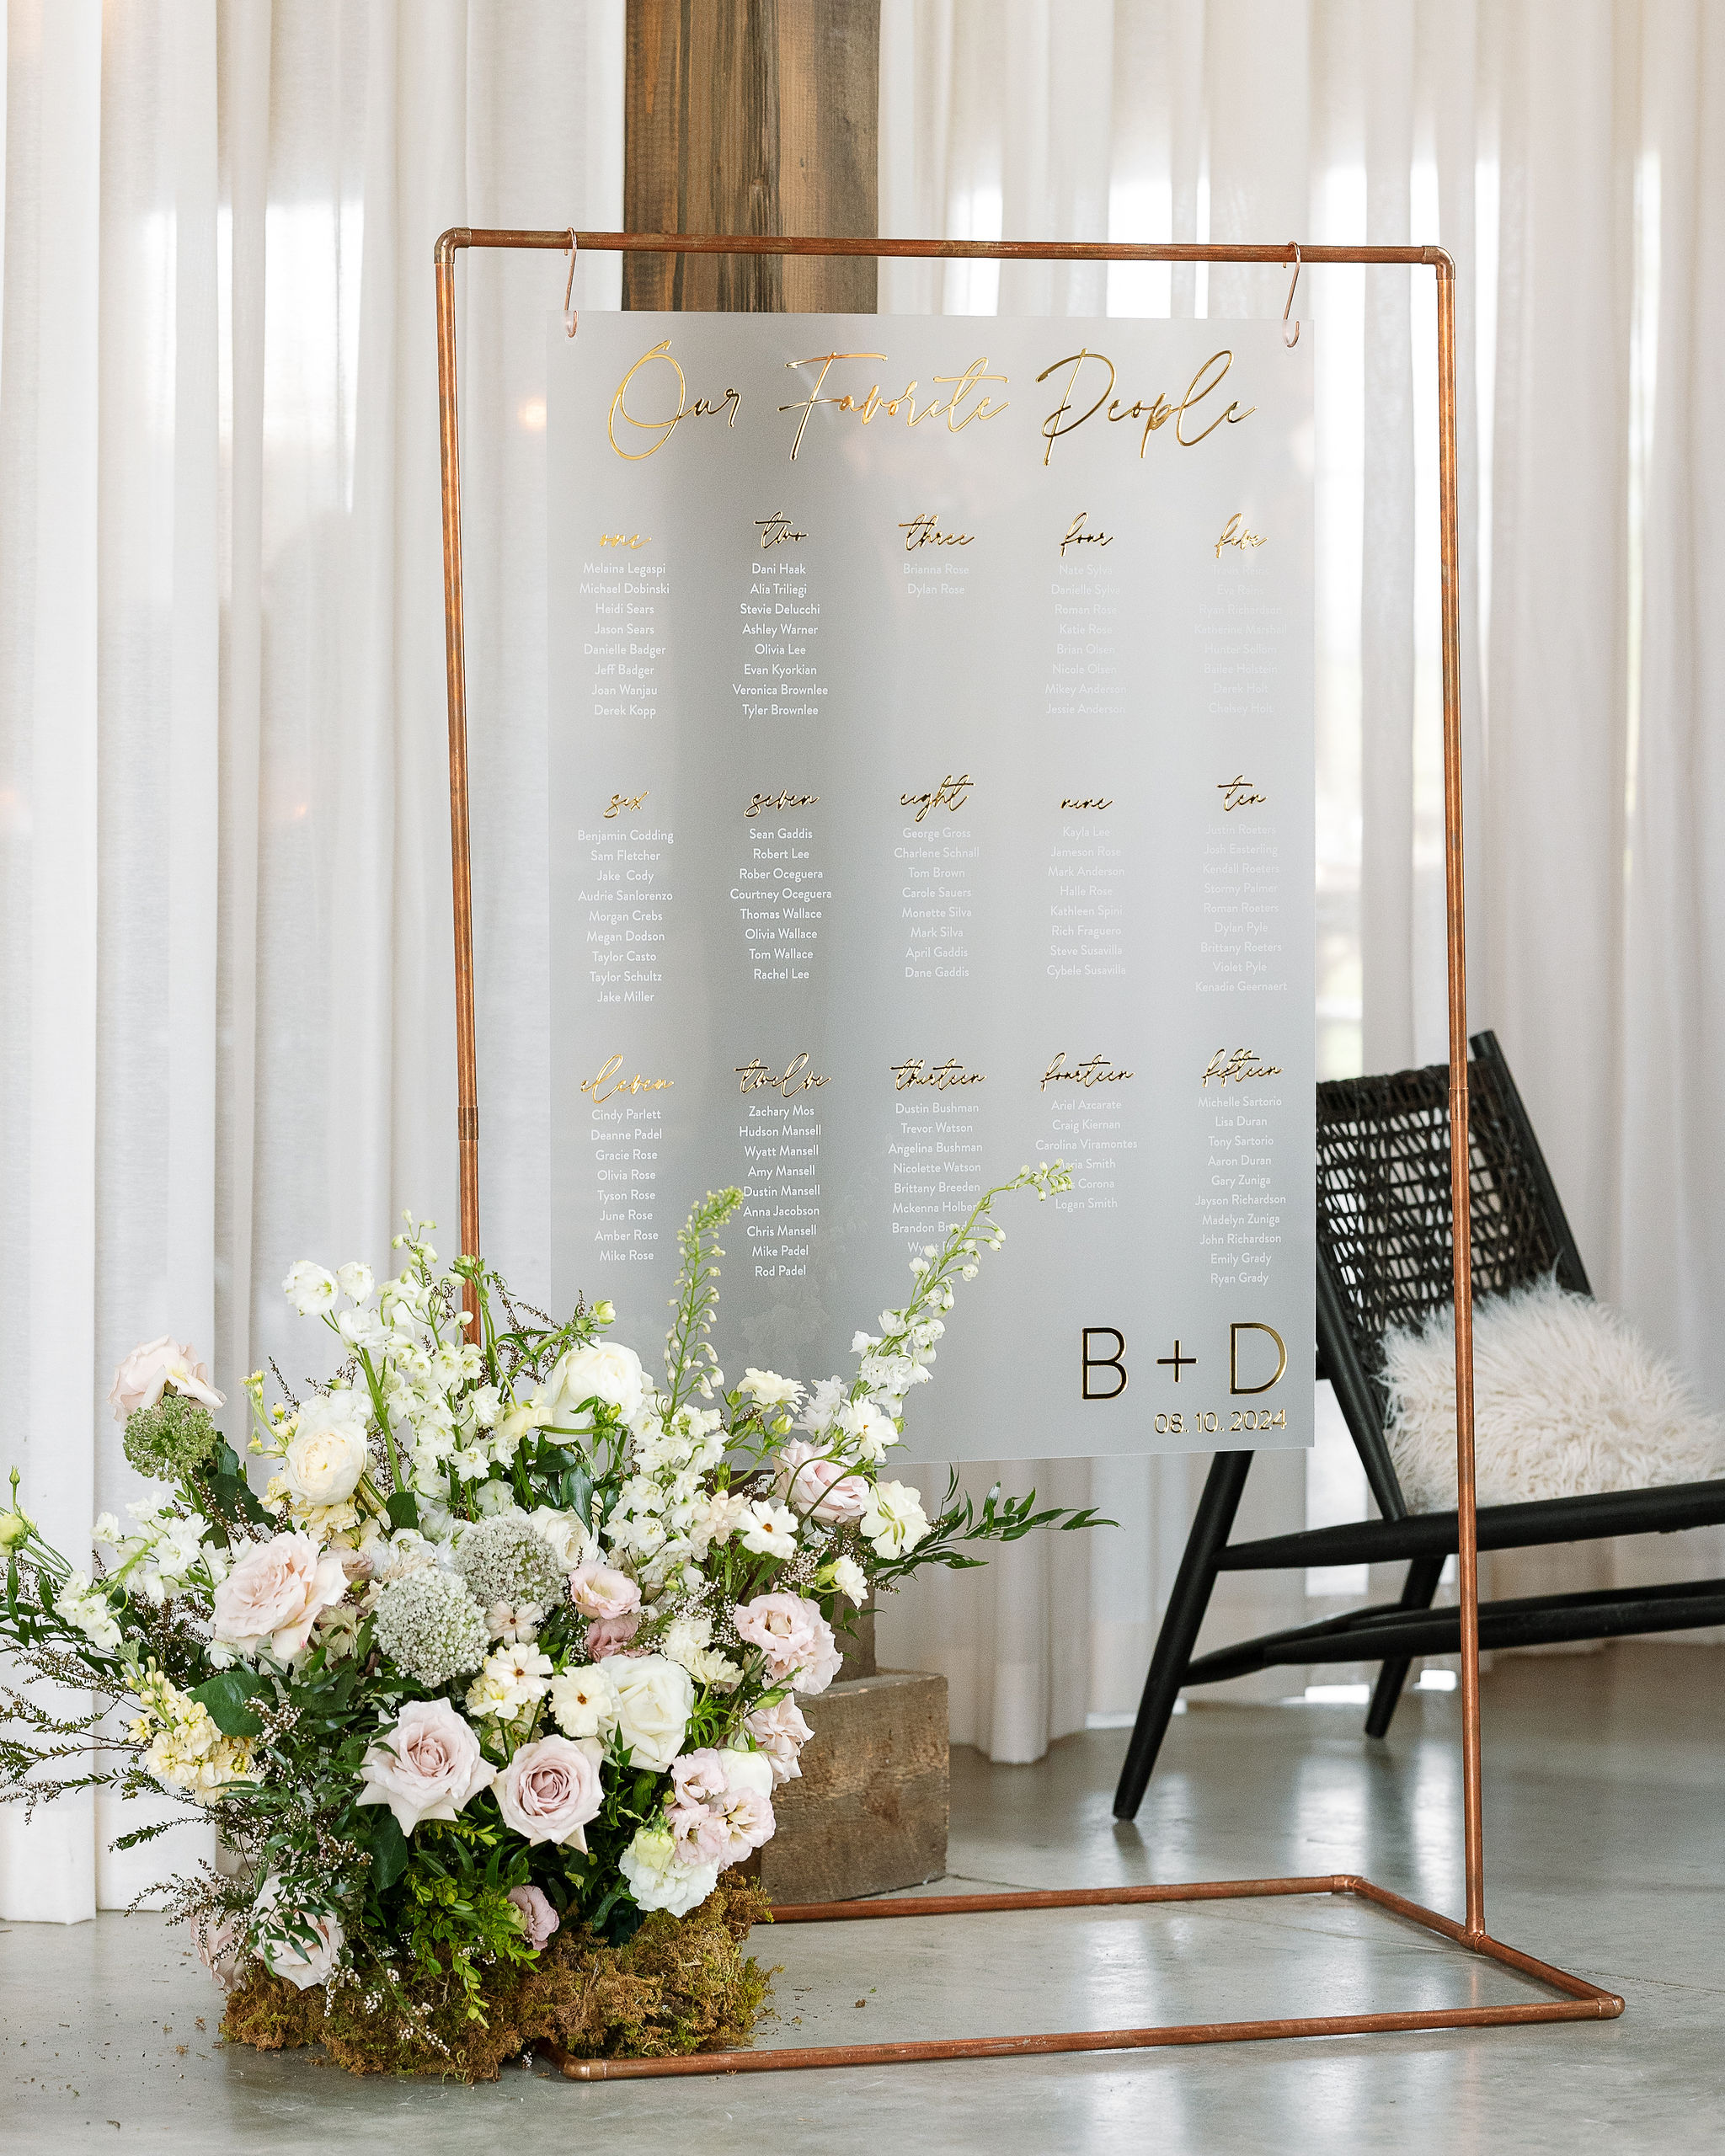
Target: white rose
<point>658,1878</point>
<point>769,1388</point>
<point>571,1543</point>
<point>309,1287</point>
<point>603,1371</point>
<point>327,1454</point>
<point>654,1699</point>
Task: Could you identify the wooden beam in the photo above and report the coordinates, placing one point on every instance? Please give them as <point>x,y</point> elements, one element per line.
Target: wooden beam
<point>752,116</point>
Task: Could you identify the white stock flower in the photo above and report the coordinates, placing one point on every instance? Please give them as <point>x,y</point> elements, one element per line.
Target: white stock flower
<point>89,1609</point>
<point>309,1287</point>
<point>894,1522</point>
<point>327,1454</point>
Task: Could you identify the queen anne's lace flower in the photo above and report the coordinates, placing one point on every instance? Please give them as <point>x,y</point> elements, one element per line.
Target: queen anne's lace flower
<point>430,1625</point>
<point>503,1560</point>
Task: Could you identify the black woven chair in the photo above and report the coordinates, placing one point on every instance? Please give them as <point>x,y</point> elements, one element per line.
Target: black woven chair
<point>1384,1260</point>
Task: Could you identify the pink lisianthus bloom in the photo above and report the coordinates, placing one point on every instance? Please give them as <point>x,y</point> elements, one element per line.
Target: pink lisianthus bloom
<point>272,1597</point>
<point>610,1635</point>
<point>746,1806</point>
<point>795,1638</point>
<point>147,1371</point>
<point>426,1764</point>
<point>698,1834</point>
<point>600,1591</point>
<point>781,1733</point>
<point>698,1777</point>
<point>550,1789</point>
<point>538,1919</point>
<point>812,1484</point>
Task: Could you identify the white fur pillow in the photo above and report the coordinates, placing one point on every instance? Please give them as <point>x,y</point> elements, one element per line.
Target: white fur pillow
<point>1567,1400</point>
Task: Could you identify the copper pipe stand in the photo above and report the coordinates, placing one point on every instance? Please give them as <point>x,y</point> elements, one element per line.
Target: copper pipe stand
<point>1578,2000</point>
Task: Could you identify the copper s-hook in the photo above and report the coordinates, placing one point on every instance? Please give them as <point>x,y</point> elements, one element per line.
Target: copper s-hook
<point>1293,283</point>
<point>570,317</point>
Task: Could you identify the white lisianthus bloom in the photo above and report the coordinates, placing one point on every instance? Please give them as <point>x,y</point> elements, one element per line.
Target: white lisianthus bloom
<point>770,1529</point>
<point>654,1699</point>
<point>354,1281</point>
<point>894,1521</point>
<point>327,1454</point>
<point>584,1702</point>
<point>519,1419</point>
<point>309,1287</point>
<point>603,1370</point>
<point>849,1579</point>
<point>658,1879</point>
<point>769,1389</point>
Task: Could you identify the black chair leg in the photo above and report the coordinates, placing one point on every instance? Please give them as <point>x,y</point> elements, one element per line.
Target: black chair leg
<point>1417,1591</point>
<point>1211,1526</point>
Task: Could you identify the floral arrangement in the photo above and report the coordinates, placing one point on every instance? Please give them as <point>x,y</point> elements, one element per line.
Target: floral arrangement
<point>500,1673</point>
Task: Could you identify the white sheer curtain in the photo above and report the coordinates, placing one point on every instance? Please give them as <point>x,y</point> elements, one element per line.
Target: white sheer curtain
<point>224,936</point>
<point>1568,154</point>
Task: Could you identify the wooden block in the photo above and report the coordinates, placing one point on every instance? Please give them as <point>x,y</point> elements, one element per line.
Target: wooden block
<point>869,1813</point>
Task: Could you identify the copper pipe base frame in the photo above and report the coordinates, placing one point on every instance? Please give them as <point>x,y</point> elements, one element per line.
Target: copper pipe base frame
<point>1580,2001</point>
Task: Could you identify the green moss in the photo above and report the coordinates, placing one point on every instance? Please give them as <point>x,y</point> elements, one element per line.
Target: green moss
<point>680,1985</point>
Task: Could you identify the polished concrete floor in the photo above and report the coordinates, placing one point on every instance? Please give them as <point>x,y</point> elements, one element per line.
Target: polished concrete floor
<point>1606,1848</point>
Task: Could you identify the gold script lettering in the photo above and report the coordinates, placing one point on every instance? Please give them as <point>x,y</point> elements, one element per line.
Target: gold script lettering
<point>1155,415</point>
<point>1098,1070</point>
<point>1236,793</point>
<point>702,408</point>
<point>872,401</point>
<point>949,795</point>
<point>624,801</point>
<point>1235,533</point>
<point>941,1075</point>
<point>605,1082</point>
<point>781,800</point>
<point>796,1077</point>
<point>1241,1064</point>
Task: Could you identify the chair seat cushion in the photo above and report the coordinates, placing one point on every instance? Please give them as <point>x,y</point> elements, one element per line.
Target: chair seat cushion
<point>1568,1401</point>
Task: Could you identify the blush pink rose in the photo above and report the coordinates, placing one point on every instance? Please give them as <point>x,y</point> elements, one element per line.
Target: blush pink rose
<point>610,1635</point>
<point>550,1789</point>
<point>147,1371</point>
<point>600,1591</point>
<point>221,1943</point>
<point>426,1764</point>
<point>820,1487</point>
<point>272,1597</point>
<point>795,1638</point>
<point>538,1919</point>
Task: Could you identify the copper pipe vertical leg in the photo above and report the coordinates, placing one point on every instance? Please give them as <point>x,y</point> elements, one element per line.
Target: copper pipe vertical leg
<point>1467,1565</point>
<point>459,846</point>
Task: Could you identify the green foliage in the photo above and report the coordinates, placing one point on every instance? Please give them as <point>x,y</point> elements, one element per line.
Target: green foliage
<point>171,1440</point>
<point>227,1696</point>
<point>998,1519</point>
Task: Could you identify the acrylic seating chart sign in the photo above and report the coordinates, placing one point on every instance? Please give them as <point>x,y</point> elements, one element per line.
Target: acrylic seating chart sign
<point>931,791</point>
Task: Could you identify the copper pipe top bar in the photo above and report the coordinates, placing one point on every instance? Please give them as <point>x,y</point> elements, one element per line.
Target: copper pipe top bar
<point>1064,1898</point>
<point>938,250</point>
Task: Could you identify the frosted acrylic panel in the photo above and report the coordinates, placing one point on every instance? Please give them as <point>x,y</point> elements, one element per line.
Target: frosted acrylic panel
<point>931,791</point>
